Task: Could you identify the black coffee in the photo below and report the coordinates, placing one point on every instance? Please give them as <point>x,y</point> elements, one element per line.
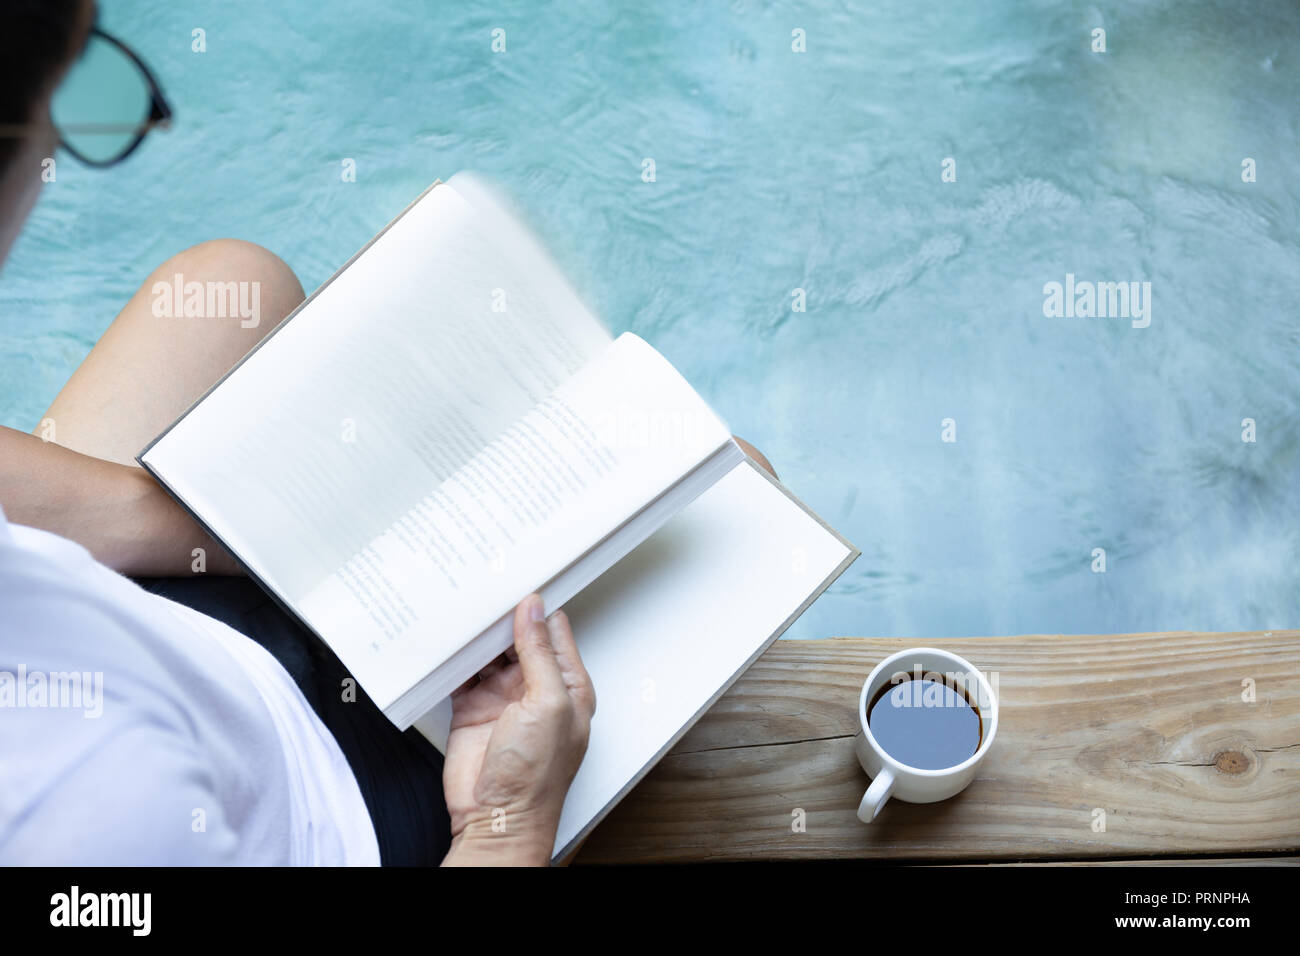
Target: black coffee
<point>925,724</point>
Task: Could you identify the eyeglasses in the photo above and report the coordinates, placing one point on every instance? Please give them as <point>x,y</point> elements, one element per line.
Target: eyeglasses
<point>107,103</point>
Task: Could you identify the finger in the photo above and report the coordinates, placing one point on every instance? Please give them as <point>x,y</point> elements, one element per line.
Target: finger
<point>507,683</point>
<point>466,687</point>
<point>464,702</point>
<point>478,706</point>
<point>572,670</point>
<point>536,656</point>
<point>497,665</point>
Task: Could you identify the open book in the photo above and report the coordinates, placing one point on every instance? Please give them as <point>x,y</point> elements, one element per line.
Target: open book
<point>443,428</point>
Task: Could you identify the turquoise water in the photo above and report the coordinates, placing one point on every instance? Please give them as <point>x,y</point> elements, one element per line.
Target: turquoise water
<point>820,170</point>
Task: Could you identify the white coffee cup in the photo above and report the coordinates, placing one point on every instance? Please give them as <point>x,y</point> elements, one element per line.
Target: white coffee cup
<point>889,777</point>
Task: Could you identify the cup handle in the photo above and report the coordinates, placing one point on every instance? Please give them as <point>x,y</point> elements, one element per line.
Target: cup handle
<point>881,787</point>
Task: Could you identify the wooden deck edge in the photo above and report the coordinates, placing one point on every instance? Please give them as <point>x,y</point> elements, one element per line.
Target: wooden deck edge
<point>1113,749</point>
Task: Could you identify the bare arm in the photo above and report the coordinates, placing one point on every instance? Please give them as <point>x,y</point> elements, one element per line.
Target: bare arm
<point>117,512</point>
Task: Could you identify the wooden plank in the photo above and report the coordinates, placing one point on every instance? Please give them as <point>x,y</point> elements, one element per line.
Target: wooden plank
<point>1150,729</point>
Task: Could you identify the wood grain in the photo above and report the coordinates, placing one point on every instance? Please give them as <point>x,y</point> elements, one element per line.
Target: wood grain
<point>1152,729</point>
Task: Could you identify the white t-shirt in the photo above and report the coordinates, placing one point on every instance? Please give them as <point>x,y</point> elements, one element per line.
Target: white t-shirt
<point>136,731</point>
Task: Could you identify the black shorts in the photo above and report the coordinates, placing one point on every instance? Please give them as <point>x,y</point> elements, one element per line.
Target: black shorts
<point>399,773</point>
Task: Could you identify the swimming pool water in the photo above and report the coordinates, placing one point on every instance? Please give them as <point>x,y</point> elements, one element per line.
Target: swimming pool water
<point>820,171</point>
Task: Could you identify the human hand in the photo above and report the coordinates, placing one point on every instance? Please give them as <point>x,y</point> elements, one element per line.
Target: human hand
<point>518,735</point>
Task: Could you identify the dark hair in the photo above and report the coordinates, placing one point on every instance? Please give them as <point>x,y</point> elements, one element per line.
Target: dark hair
<point>36,38</point>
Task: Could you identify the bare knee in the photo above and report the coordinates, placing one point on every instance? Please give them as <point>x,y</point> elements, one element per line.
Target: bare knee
<point>184,328</point>
<point>267,288</point>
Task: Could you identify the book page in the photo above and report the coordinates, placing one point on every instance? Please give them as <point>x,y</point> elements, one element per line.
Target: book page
<point>607,442</point>
<point>421,351</point>
<point>670,626</point>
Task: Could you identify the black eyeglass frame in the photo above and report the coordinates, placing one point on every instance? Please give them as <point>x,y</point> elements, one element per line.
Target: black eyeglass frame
<point>160,113</point>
